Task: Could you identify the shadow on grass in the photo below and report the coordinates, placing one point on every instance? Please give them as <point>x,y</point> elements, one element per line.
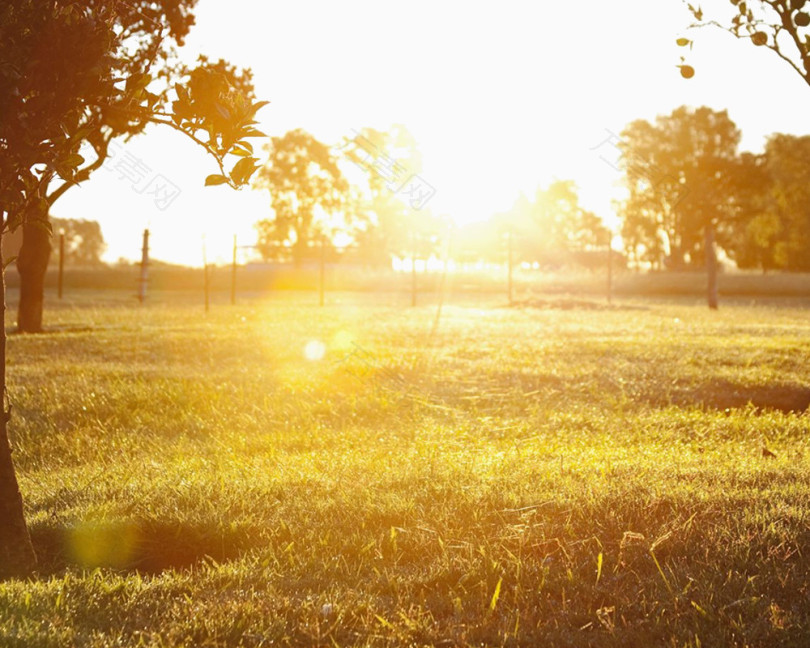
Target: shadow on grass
<point>146,546</point>
<point>722,394</point>
<point>517,390</point>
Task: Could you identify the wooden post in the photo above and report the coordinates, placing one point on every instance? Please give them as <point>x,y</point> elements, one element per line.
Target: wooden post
<point>322,284</point>
<point>144,267</point>
<point>233,274</point>
<point>61,261</point>
<point>610,269</point>
<point>711,266</point>
<point>509,237</point>
<point>413,269</point>
<point>206,286</point>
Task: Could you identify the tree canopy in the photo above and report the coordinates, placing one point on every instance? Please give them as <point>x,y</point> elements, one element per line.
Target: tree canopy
<point>678,172</point>
<point>66,76</point>
<point>308,193</point>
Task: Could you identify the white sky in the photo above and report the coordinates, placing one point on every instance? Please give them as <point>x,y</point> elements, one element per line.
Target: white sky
<point>501,97</point>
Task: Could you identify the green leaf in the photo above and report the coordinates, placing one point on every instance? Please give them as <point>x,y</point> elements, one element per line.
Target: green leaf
<point>257,107</point>
<point>252,132</point>
<point>243,169</point>
<point>687,71</point>
<point>82,133</point>
<point>759,38</point>
<point>802,19</point>
<point>65,172</point>
<point>74,161</point>
<point>182,93</point>
<point>138,82</point>
<point>215,179</point>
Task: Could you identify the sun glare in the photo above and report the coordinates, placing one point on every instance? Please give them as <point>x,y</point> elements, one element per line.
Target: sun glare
<point>315,351</point>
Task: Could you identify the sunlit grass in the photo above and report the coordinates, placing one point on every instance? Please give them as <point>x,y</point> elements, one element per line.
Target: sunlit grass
<point>280,474</point>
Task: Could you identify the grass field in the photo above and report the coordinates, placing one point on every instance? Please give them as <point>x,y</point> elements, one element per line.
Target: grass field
<point>576,476</point>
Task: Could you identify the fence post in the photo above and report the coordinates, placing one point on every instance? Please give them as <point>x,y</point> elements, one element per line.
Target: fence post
<point>144,267</point>
<point>413,269</point>
<point>233,274</point>
<point>610,270</point>
<point>61,261</point>
<point>205,277</point>
<point>509,236</point>
<point>322,285</point>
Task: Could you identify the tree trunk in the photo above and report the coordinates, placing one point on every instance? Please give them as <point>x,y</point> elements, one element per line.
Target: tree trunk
<point>16,551</point>
<point>711,266</point>
<point>32,265</point>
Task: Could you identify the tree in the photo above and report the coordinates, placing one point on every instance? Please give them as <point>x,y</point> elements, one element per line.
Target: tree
<point>50,101</point>
<point>565,223</point>
<point>148,34</point>
<point>782,26</point>
<point>382,162</point>
<point>787,160</point>
<point>307,191</point>
<point>84,242</point>
<point>751,237</point>
<point>776,189</point>
<point>679,173</point>
<point>554,227</point>
<point>777,235</point>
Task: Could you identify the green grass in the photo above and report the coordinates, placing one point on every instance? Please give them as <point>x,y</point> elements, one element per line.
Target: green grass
<point>524,476</point>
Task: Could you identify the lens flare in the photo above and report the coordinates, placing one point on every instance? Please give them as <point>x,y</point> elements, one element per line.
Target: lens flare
<point>314,351</point>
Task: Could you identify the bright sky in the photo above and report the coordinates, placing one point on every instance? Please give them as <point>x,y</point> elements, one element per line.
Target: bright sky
<point>501,97</point>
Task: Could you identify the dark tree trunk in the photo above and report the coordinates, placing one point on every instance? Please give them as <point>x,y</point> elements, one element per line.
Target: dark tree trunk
<point>711,267</point>
<point>32,265</point>
<point>16,551</point>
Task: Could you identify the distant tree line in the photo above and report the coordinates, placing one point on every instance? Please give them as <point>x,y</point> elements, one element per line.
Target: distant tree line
<point>691,195</point>
<point>84,242</point>
<point>320,195</point>
<point>691,190</point>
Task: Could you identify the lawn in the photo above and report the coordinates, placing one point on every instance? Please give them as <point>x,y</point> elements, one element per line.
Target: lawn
<point>274,473</point>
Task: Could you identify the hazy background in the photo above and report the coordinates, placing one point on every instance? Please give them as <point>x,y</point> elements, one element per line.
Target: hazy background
<point>500,99</point>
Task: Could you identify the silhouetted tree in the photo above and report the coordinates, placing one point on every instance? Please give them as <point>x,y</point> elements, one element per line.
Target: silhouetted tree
<point>60,70</point>
<point>679,172</point>
<point>776,191</point>
<point>751,238</point>
<point>553,227</point>
<point>384,219</point>
<point>307,191</point>
<point>84,242</point>
<point>149,32</point>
